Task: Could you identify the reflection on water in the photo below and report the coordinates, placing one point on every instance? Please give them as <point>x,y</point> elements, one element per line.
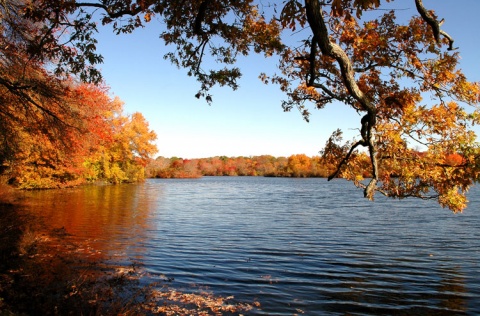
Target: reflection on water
<point>113,220</point>
<point>294,245</point>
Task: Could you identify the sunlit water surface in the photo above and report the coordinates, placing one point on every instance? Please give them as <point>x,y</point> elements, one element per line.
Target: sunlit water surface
<point>294,245</point>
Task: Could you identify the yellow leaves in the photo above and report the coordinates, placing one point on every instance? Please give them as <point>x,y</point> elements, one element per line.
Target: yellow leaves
<point>443,165</point>
<point>446,122</point>
<point>453,199</point>
<point>140,136</point>
<point>299,165</point>
<point>412,173</point>
<point>474,117</point>
<point>123,159</point>
<point>359,178</point>
<point>439,118</point>
<point>177,303</point>
<point>103,144</point>
<point>464,90</point>
<point>441,75</point>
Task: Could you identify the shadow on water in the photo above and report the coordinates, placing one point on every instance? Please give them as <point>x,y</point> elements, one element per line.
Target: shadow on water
<point>401,292</point>
<point>78,251</point>
<point>46,270</point>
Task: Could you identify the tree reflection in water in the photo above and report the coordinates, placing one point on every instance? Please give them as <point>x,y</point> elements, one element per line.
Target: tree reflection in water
<point>293,245</point>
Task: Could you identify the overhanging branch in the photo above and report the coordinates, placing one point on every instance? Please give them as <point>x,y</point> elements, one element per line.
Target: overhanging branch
<point>318,26</point>
<point>434,24</point>
<point>112,15</point>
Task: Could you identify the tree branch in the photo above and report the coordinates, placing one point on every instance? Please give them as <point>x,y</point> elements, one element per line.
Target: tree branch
<point>434,24</point>
<point>311,59</point>
<point>112,15</point>
<point>21,92</point>
<point>345,159</point>
<point>320,32</point>
<point>197,25</point>
<point>317,24</point>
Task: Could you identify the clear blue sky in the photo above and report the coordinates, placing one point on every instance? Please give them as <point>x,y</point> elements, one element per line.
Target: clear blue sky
<point>250,120</point>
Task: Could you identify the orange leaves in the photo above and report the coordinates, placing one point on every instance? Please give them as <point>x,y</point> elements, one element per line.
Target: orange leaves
<point>444,168</point>
<point>264,35</point>
<point>148,17</point>
<point>339,6</point>
<point>123,157</point>
<point>294,166</point>
<point>308,92</point>
<point>90,123</point>
<point>397,67</point>
<point>453,160</point>
<point>445,121</point>
<point>407,80</point>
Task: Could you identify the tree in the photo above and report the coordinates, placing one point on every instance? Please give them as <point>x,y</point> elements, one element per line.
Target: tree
<point>124,156</point>
<point>53,126</point>
<point>39,106</point>
<point>380,68</point>
<point>299,165</point>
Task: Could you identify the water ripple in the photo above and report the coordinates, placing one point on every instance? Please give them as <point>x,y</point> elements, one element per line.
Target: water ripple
<point>295,245</point>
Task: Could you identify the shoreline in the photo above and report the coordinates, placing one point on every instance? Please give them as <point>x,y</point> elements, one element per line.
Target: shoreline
<point>44,270</point>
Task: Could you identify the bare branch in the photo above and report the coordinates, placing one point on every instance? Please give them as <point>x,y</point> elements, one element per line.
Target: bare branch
<point>434,24</point>
<point>197,25</point>
<point>345,159</point>
<point>311,59</point>
<point>112,15</point>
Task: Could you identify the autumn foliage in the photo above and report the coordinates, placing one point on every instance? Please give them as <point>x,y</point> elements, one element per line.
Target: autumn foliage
<point>403,78</point>
<point>56,132</point>
<point>297,166</point>
<point>99,143</point>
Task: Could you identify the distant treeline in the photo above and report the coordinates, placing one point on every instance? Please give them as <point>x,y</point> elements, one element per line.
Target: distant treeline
<point>293,166</point>
<point>300,166</point>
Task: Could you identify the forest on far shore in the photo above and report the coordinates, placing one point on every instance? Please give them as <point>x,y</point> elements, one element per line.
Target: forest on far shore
<point>299,165</point>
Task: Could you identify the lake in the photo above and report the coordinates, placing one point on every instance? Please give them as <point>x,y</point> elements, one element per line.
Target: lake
<point>296,246</point>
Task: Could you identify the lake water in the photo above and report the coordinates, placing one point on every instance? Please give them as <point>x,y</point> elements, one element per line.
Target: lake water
<point>294,245</point>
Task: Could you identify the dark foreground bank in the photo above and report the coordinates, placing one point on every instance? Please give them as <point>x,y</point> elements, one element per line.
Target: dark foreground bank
<point>43,271</point>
